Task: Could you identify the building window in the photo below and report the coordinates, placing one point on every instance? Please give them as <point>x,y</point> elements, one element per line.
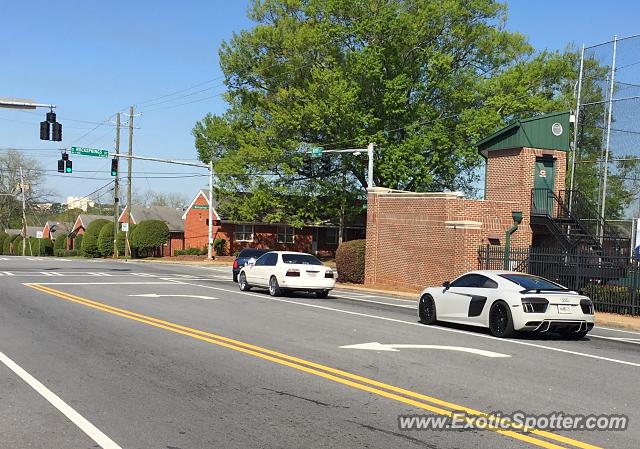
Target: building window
<point>244,233</point>
<point>285,234</point>
<point>332,236</point>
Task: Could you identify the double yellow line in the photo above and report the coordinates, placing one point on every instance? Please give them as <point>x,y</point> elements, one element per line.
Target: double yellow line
<point>421,401</point>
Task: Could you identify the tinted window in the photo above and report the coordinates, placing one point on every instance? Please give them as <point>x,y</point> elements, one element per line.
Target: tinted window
<point>251,252</point>
<point>532,282</point>
<point>474,280</point>
<point>271,259</point>
<point>302,259</point>
<point>262,260</point>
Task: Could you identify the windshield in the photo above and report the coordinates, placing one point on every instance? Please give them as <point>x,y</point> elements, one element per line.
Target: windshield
<point>249,253</point>
<point>532,282</point>
<point>301,259</point>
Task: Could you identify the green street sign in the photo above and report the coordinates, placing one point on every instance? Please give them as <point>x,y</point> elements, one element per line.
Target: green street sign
<point>316,151</point>
<point>84,151</point>
<point>201,206</point>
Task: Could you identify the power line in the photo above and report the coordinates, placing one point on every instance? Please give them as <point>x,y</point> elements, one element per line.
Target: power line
<point>180,91</point>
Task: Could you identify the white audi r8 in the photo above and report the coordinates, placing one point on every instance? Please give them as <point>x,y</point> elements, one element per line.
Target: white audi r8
<point>507,301</point>
<point>287,271</point>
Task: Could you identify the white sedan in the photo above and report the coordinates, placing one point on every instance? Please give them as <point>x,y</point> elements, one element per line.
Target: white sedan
<point>287,271</point>
<point>505,302</point>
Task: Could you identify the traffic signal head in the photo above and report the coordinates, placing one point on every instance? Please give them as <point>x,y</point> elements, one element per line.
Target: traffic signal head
<point>68,167</point>
<point>57,132</point>
<point>114,166</point>
<point>60,166</point>
<point>44,130</point>
<point>51,117</point>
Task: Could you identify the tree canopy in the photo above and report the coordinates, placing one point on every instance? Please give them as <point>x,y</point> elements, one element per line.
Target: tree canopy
<point>422,79</point>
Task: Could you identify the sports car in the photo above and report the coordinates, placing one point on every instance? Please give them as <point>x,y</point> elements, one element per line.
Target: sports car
<point>506,302</point>
<point>282,271</point>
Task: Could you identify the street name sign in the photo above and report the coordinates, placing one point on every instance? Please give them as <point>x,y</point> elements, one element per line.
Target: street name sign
<point>84,151</point>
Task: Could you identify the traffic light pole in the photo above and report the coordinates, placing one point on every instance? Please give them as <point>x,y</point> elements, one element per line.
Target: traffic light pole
<point>127,246</point>
<point>210,224</point>
<point>24,213</point>
<point>116,193</point>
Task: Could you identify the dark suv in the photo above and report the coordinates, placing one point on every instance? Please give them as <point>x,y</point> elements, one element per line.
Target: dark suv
<point>244,257</point>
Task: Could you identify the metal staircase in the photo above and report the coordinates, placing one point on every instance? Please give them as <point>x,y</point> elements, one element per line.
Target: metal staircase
<point>576,227</point>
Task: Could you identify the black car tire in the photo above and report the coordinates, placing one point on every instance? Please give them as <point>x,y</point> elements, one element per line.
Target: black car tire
<point>322,294</point>
<point>274,288</point>
<point>427,310</point>
<point>235,278</point>
<point>500,320</point>
<point>243,284</point>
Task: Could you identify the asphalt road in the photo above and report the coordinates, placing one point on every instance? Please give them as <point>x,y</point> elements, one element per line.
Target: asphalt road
<point>128,355</point>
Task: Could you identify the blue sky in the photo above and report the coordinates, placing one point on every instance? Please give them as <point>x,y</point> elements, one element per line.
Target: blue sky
<point>94,61</point>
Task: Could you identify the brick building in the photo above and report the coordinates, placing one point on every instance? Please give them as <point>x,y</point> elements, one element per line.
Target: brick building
<point>316,239</point>
<point>80,226</point>
<point>416,240</point>
<point>54,228</point>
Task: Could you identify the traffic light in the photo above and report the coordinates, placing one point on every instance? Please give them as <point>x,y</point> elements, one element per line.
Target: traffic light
<point>114,166</point>
<point>57,132</point>
<point>51,117</point>
<point>44,130</point>
<point>64,164</point>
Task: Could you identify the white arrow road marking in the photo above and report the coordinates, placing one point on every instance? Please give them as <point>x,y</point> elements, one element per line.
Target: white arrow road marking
<point>92,431</point>
<point>375,346</point>
<point>155,295</point>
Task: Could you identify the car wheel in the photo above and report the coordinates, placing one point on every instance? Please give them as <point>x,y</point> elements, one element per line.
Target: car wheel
<point>500,320</point>
<point>322,294</point>
<point>427,310</point>
<point>243,284</point>
<point>274,288</point>
<point>235,278</point>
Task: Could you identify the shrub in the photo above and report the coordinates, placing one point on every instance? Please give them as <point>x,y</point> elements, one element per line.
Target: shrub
<point>220,245</point>
<point>105,240</point>
<point>3,237</point>
<point>65,252</point>
<point>90,238</point>
<point>60,242</point>
<point>32,247</point>
<point>6,246</point>
<point>77,243</point>
<point>149,234</point>
<point>350,261</point>
<point>16,246</point>
<point>188,252</point>
<point>46,247</point>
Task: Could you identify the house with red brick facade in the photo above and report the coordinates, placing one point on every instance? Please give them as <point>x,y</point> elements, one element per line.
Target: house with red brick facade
<point>80,226</point>
<point>320,239</point>
<point>172,217</point>
<point>53,228</point>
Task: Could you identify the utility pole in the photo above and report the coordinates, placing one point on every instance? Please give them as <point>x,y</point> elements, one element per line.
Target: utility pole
<point>116,192</point>
<point>24,214</point>
<point>210,230</point>
<point>127,247</point>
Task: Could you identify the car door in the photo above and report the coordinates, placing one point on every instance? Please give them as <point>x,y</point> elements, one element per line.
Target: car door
<point>465,299</point>
<point>255,272</point>
<point>268,268</point>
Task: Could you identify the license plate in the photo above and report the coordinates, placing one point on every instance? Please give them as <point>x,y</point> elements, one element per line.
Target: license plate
<point>564,308</point>
<point>312,274</point>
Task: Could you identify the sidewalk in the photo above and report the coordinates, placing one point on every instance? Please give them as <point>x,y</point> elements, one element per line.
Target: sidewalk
<point>612,320</point>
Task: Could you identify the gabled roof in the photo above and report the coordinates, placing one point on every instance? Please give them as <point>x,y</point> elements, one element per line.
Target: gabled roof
<point>13,231</point>
<point>548,131</point>
<point>60,228</point>
<point>86,219</point>
<point>205,193</point>
<point>32,231</point>
<point>169,215</point>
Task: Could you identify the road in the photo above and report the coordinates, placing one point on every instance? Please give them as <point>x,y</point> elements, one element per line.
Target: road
<point>132,355</point>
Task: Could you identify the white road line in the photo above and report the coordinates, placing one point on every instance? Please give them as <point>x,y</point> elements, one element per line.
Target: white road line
<point>617,330</point>
<point>7,273</point>
<point>46,273</point>
<point>100,283</point>
<point>92,431</point>
<point>635,341</point>
<point>351,298</point>
<point>435,328</point>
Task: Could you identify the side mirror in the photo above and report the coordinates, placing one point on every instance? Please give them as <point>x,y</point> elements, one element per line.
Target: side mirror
<point>251,262</point>
<point>446,284</point>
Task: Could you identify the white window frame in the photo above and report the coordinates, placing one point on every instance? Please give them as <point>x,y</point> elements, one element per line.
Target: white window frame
<point>286,231</point>
<point>240,234</point>
<point>333,241</point>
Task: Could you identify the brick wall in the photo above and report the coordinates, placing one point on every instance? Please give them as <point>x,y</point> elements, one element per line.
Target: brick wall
<point>196,228</point>
<point>417,240</point>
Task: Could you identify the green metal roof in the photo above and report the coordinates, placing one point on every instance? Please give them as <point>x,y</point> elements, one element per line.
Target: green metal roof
<point>547,132</point>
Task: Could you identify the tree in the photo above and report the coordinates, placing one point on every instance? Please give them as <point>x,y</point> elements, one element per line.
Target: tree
<point>148,198</point>
<point>6,245</point>
<point>149,234</point>
<point>424,80</point>
<point>3,237</point>
<point>105,240</point>
<point>90,238</point>
<point>61,242</point>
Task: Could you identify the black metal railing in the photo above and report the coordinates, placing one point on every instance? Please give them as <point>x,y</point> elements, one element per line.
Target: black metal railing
<point>610,279</point>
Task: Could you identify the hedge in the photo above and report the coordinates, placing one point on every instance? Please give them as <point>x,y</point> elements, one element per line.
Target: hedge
<point>46,247</point>
<point>190,252</point>
<point>105,240</point>
<point>3,237</point>
<point>77,244</point>
<point>65,252</point>
<point>60,242</point>
<point>6,246</point>
<point>90,238</point>
<point>350,261</point>
<point>120,239</point>
<point>149,234</point>
<point>16,246</point>
<point>220,245</point>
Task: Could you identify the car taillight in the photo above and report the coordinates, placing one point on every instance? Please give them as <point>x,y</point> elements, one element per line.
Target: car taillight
<point>235,264</point>
<point>328,274</point>
<point>293,272</point>
<point>534,305</point>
